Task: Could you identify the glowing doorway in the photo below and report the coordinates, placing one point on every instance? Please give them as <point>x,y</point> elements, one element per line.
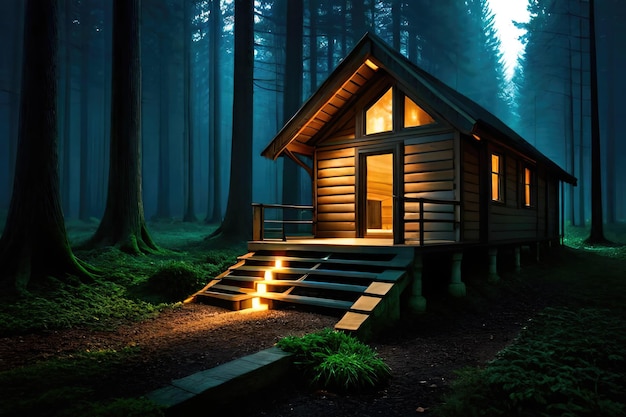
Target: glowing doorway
<point>379,191</point>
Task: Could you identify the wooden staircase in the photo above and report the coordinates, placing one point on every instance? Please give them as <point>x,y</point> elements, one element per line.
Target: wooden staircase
<point>361,283</point>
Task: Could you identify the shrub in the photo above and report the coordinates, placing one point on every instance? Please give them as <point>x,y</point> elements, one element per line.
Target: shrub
<point>175,281</point>
<point>336,361</point>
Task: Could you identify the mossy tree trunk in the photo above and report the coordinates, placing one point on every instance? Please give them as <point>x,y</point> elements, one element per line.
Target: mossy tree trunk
<point>123,223</point>
<point>34,243</point>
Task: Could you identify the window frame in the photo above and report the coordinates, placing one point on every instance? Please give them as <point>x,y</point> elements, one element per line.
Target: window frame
<point>394,106</point>
<point>500,175</point>
<point>529,187</point>
<point>397,113</point>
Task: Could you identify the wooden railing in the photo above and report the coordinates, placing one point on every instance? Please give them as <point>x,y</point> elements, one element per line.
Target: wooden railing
<point>450,217</point>
<point>286,215</point>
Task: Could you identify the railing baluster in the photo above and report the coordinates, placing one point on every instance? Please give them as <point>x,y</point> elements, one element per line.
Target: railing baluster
<point>421,202</point>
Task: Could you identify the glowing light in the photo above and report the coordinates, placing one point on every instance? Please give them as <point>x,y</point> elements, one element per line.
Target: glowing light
<point>256,303</point>
<point>261,288</point>
<point>278,263</point>
<point>476,136</point>
<point>371,64</point>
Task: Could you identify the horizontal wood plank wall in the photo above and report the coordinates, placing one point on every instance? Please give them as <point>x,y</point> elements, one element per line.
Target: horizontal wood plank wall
<point>429,172</point>
<point>512,221</point>
<point>471,193</point>
<point>336,203</point>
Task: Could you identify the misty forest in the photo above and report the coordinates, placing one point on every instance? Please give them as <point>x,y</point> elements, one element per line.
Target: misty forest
<point>131,134</point>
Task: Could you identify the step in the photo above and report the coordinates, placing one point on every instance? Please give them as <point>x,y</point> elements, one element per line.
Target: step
<point>324,260</point>
<point>315,284</point>
<point>232,289</point>
<point>303,299</point>
<point>306,271</point>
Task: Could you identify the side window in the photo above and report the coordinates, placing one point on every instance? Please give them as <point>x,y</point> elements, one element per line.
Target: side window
<point>529,180</point>
<point>497,178</point>
<point>379,117</point>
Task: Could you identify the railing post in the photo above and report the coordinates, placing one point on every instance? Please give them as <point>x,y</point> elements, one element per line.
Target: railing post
<point>421,222</point>
<point>258,219</point>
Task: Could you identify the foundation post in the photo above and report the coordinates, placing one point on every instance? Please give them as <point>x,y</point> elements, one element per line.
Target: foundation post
<point>493,265</point>
<point>456,288</point>
<point>518,259</point>
<point>537,246</point>
<point>417,302</point>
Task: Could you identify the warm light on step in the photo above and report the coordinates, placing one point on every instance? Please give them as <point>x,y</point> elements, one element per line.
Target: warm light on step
<point>256,304</point>
<point>278,263</point>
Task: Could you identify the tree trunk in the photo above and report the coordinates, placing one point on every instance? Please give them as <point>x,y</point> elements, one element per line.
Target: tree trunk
<point>581,144</point>
<point>214,208</point>
<point>84,207</point>
<point>67,111</point>
<point>358,20</point>
<point>189,215</point>
<point>396,16</point>
<point>292,97</point>
<point>313,10</point>
<point>123,224</point>
<point>34,244</point>
<point>596,234</point>
<point>163,174</point>
<point>14,103</point>
<point>611,189</point>
<point>237,223</point>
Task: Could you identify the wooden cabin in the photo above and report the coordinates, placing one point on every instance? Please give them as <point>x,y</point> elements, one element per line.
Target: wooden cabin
<point>401,165</point>
<point>398,154</point>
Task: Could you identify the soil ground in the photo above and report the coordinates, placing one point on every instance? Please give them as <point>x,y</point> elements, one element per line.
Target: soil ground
<point>423,351</point>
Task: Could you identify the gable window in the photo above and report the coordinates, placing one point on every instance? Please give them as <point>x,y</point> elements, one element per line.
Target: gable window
<point>497,178</point>
<point>528,188</point>
<point>379,117</point>
<point>414,115</point>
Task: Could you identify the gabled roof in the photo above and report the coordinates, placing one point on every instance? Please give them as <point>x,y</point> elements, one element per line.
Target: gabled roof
<point>362,65</point>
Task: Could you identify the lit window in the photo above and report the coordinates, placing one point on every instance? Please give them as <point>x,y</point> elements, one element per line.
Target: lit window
<point>414,115</point>
<point>379,117</point>
<point>528,181</point>
<point>496,178</point>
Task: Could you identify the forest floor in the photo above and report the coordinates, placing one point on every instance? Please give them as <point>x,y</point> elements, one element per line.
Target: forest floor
<point>423,352</point>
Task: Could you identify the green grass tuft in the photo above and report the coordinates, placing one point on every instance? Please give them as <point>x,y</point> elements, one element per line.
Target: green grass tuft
<point>337,361</point>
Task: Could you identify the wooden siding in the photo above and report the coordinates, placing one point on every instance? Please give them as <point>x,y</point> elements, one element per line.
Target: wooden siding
<point>470,214</point>
<point>429,172</point>
<point>335,190</point>
<point>511,220</point>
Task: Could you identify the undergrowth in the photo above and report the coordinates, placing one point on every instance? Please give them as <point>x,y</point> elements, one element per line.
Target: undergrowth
<point>565,363</point>
<point>129,288</point>
<point>68,386</point>
<point>336,361</point>
<point>71,385</point>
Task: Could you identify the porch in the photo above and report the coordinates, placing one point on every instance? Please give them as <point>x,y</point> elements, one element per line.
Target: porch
<point>417,222</point>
